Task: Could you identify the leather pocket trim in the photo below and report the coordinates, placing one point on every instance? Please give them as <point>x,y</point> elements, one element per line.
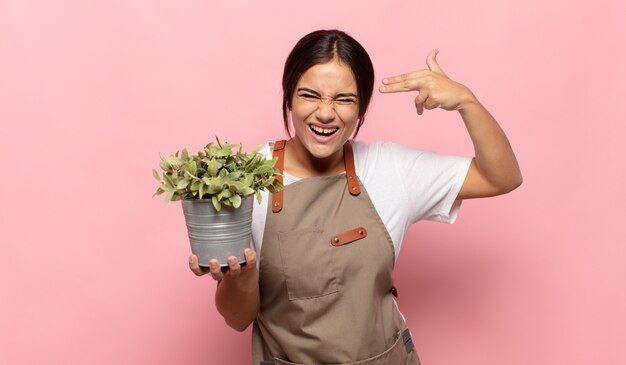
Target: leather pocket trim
<point>348,236</point>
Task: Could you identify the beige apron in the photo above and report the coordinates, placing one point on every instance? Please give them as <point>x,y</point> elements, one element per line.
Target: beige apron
<point>326,277</point>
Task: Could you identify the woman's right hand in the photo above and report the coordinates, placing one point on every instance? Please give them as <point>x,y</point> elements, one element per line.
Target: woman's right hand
<point>237,294</point>
<point>233,270</point>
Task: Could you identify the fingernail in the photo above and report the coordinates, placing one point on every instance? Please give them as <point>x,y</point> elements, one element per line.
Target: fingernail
<point>385,81</point>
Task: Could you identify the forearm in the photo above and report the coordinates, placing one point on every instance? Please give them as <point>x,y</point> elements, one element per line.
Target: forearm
<point>237,300</point>
<point>494,157</point>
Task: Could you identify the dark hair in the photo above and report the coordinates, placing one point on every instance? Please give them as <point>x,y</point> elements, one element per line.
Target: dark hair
<point>320,47</point>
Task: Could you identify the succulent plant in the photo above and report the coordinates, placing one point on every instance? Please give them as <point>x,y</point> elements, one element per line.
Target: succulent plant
<point>216,173</point>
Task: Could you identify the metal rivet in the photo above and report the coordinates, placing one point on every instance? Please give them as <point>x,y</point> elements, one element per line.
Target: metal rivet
<point>336,240</point>
<point>351,177</point>
<point>361,233</point>
<point>276,204</point>
<point>354,188</point>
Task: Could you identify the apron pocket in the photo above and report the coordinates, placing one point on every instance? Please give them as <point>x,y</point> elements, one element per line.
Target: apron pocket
<point>308,263</point>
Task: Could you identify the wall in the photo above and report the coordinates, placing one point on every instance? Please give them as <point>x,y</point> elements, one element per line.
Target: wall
<point>94,270</point>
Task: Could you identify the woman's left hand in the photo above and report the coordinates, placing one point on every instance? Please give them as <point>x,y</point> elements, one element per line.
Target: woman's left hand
<point>435,88</point>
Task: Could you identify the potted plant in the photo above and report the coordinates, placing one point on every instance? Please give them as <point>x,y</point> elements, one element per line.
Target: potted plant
<point>216,187</point>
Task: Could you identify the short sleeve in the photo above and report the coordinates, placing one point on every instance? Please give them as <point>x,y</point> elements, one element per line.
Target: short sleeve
<point>431,181</point>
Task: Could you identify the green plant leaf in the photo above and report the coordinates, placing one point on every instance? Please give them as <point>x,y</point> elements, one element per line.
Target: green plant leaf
<point>156,175</point>
<point>192,168</point>
<point>212,167</point>
<point>191,175</point>
<point>231,166</point>
<point>240,188</point>
<point>275,187</point>
<point>183,183</point>
<point>159,191</point>
<point>252,162</point>
<point>263,170</point>
<point>174,161</point>
<point>216,203</point>
<point>235,200</point>
<point>200,190</point>
<point>168,180</point>
<point>169,197</point>
<point>258,196</point>
<point>177,196</point>
<point>213,184</point>
<point>235,175</point>
<point>248,179</point>
<point>211,149</point>
<point>223,152</point>
<point>195,185</point>
<point>225,194</point>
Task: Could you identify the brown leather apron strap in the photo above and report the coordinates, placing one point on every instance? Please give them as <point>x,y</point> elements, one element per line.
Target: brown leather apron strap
<point>353,182</point>
<point>279,152</point>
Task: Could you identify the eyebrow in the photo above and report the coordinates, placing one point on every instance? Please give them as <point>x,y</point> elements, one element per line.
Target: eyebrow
<point>318,94</point>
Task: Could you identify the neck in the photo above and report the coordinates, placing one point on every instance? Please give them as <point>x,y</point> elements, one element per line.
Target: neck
<point>300,163</point>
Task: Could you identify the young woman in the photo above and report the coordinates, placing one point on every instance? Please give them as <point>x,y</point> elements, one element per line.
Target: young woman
<point>317,283</point>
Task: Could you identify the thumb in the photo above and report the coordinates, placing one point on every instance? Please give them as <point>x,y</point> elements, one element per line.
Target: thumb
<point>431,61</point>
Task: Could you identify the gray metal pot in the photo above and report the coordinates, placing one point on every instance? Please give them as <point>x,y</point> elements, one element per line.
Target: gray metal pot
<point>218,235</point>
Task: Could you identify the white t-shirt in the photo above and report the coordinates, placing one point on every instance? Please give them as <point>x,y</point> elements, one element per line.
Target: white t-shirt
<point>405,185</point>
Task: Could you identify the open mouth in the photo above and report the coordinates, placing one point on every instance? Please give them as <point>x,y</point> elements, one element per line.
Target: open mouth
<point>325,132</point>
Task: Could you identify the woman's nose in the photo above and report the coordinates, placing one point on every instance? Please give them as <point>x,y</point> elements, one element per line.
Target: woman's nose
<point>325,111</point>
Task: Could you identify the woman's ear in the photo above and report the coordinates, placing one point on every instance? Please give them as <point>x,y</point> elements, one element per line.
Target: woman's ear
<point>290,129</point>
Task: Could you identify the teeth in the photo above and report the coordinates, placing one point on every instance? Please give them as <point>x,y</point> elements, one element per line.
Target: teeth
<point>323,130</point>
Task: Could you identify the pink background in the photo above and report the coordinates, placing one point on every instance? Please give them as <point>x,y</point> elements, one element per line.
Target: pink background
<point>93,270</point>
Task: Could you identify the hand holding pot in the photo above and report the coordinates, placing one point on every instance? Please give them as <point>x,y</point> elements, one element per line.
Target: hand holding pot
<point>234,269</point>
<point>237,293</point>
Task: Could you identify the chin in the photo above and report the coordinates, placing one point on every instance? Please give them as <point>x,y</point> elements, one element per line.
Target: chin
<point>322,151</point>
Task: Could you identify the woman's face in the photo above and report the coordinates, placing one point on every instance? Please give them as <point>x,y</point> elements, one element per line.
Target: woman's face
<point>324,108</point>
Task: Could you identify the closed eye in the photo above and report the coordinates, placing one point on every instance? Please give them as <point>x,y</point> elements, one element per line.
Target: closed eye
<point>346,101</point>
<point>309,97</point>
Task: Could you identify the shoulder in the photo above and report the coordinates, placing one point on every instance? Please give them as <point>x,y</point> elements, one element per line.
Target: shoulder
<point>376,148</point>
<point>378,153</point>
